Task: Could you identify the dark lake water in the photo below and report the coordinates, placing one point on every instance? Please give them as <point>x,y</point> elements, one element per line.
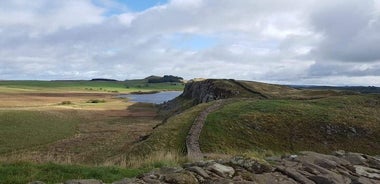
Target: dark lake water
<point>156,98</point>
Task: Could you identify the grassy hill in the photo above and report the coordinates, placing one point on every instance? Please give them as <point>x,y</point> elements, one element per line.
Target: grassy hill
<point>350,123</point>
<point>259,117</point>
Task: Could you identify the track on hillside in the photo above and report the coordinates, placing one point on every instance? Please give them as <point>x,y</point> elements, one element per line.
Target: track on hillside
<point>192,140</point>
<point>247,88</point>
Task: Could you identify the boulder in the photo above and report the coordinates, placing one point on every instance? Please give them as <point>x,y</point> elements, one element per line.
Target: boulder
<point>199,171</point>
<point>222,170</point>
<point>184,177</point>
<point>250,164</point>
<point>368,172</point>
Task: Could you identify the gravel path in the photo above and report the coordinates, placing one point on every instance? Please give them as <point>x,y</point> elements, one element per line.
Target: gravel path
<point>192,140</point>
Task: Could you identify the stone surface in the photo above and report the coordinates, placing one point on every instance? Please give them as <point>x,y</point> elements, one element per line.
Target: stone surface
<point>184,177</point>
<point>305,168</point>
<point>222,170</point>
<point>201,172</point>
<point>367,172</point>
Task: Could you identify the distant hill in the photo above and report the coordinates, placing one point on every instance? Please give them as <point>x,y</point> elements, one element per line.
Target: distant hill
<point>103,79</point>
<point>165,78</point>
<point>360,89</point>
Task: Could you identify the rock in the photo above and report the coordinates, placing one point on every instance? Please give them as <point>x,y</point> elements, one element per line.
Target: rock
<point>362,180</point>
<point>367,172</point>
<point>199,171</point>
<point>339,153</point>
<point>250,164</point>
<point>220,181</point>
<point>273,178</point>
<point>184,177</point>
<point>207,91</point>
<point>328,164</point>
<point>246,175</point>
<point>84,181</point>
<point>373,162</point>
<point>222,170</point>
<point>306,168</point>
<point>129,181</point>
<point>323,180</point>
<point>355,158</point>
<point>292,173</point>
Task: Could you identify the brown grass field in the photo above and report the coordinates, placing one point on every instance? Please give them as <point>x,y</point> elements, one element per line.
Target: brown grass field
<point>101,130</point>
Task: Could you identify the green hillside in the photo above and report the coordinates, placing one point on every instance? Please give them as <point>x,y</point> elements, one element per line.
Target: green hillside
<point>350,122</point>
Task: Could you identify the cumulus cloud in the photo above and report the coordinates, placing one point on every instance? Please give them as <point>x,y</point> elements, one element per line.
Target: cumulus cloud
<point>278,41</point>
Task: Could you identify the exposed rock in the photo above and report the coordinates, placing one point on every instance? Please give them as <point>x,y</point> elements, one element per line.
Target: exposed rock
<point>206,91</point>
<point>273,178</point>
<point>199,171</point>
<point>129,181</point>
<point>305,168</point>
<point>355,158</point>
<point>184,177</point>
<point>222,170</point>
<point>367,172</point>
<point>250,164</point>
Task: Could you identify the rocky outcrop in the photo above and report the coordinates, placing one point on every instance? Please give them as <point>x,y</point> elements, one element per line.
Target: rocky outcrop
<point>208,90</point>
<point>305,168</point>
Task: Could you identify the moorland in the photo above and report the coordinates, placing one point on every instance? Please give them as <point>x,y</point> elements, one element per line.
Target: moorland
<point>58,130</point>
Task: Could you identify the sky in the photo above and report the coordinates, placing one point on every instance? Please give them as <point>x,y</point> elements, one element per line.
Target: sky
<point>310,42</point>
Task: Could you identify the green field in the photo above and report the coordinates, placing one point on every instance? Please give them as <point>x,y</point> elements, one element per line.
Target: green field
<point>88,86</point>
<point>26,129</point>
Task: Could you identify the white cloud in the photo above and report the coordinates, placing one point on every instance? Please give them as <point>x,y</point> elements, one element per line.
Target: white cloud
<point>273,40</point>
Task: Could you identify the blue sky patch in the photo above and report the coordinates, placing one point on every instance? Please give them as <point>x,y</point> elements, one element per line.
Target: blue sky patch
<point>193,41</point>
<point>141,5</point>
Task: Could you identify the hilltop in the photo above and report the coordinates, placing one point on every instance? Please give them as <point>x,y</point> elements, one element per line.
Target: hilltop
<point>266,119</point>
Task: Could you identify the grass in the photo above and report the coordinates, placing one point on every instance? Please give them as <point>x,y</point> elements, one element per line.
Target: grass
<point>21,173</point>
<point>20,129</point>
<point>350,123</point>
<point>88,86</point>
<point>171,136</point>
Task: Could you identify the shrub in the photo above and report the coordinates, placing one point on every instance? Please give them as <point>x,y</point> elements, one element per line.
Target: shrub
<point>96,101</point>
<point>66,103</point>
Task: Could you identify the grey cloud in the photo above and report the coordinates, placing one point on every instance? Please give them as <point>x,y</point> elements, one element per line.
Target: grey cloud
<point>344,69</point>
<point>350,31</point>
<point>256,40</point>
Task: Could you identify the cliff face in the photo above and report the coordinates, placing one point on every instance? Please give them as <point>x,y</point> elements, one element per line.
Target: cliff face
<point>209,90</point>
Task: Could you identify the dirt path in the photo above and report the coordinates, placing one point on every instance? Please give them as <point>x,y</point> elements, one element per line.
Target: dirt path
<point>192,140</point>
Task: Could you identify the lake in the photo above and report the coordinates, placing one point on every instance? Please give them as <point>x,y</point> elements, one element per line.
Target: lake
<point>156,98</point>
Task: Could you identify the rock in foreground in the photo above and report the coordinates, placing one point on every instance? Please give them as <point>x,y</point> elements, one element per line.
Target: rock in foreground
<point>305,168</point>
